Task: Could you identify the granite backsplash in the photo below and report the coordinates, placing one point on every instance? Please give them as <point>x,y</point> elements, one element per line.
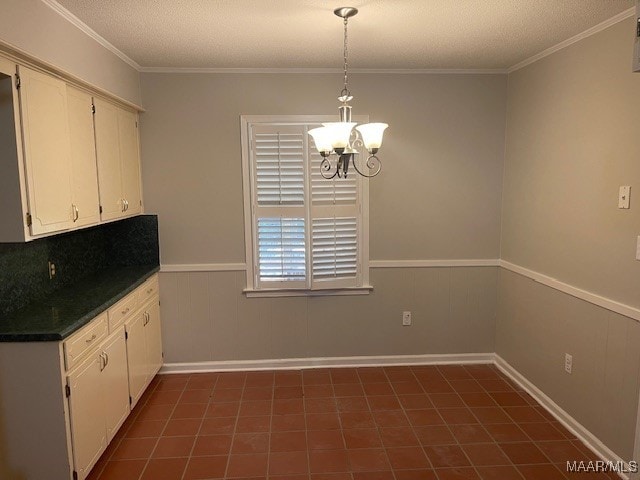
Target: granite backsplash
<point>24,275</point>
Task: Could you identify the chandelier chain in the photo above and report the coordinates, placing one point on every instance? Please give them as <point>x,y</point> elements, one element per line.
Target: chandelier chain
<point>345,90</point>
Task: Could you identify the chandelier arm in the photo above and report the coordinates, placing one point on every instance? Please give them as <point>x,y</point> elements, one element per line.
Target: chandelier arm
<point>373,163</point>
<point>325,166</point>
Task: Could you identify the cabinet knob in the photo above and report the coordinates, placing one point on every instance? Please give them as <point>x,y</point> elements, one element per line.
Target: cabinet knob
<point>93,337</point>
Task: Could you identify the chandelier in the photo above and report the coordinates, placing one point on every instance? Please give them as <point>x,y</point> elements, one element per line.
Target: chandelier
<point>340,138</point>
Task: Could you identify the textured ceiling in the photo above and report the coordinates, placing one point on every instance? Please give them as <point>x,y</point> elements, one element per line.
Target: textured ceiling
<point>394,34</point>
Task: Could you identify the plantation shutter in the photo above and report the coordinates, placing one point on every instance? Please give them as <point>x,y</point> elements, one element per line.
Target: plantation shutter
<point>335,228</point>
<point>278,155</point>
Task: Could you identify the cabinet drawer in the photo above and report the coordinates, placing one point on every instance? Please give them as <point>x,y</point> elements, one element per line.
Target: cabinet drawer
<point>148,290</point>
<point>122,310</point>
<point>85,340</point>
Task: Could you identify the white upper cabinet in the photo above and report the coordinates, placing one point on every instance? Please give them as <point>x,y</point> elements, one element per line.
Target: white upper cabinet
<point>62,166</point>
<point>84,172</point>
<point>47,151</point>
<point>118,160</point>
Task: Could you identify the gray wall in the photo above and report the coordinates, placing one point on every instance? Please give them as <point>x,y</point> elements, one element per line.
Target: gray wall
<point>572,140</point>
<point>35,28</point>
<point>438,197</point>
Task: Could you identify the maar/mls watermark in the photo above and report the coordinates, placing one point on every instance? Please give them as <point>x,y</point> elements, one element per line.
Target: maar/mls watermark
<point>602,466</point>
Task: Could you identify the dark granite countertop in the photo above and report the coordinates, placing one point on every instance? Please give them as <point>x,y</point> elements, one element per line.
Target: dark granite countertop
<point>63,312</point>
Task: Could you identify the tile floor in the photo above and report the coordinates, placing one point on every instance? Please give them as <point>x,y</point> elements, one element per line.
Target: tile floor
<point>393,423</point>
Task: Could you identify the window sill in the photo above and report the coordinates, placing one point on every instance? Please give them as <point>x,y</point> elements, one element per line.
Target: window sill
<point>282,292</point>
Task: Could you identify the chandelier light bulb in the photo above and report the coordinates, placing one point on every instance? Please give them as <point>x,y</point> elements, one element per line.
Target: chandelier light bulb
<point>372,135</point>
<point>322,138</point>
<point>340,133</point>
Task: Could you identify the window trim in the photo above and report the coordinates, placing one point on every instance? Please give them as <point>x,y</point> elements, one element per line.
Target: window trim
<point>363,287</point>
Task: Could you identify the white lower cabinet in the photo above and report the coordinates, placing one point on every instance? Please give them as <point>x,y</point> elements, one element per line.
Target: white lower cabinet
<point>63,402</point>
<point>144,348</point>
<point>98,401</point>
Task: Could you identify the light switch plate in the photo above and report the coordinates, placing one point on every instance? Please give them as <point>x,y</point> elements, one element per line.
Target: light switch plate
<point>624,196</point>
<point>638,248</point>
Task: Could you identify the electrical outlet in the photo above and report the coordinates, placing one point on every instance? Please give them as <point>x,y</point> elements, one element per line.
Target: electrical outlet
<point>568,363</point>
<point>52,270</point>
<point>406,318</point>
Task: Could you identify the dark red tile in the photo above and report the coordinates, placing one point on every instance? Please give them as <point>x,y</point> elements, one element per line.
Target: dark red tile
<point>495,385</point>
<point>436,386</point>
<point>434,435</point>
<point>420,474</point>
<point>421,418</point>
<point>259,379</point>
<point>488,415</point>
<point>318,391</point>
<point>289,441</point>
<point>313,377</point>
<point>288,406</point>
<point>132,448</point>
<point>446,400</point>
<point>384,475</point>
<point>119,469</point>
<point>362,438</point>
<point>454,372</point>
<point>251,465</point>
<point>165,469</point>
<point>288,379</point>
<point>391,418</point>
<point>231,380</point>
<point>473,433</point>
<point>378,389</point>
<point>322,421</point>
<point>155,412</point>
<point>195,396</point>
<point>250,443</point>
<point>344,375</point>
<point>562,451</point>
<point>357,420</point>
<point>325,440</point>
<point>407,458</point>
<point>202,381</point>
<point>499,473</point>
<point>540,472</point>
<point>287,392</point>
<point>457,416</point>
<point>524,414</point>
<point>288,463</point>
<point>174,447</point>
<point>368,460</point>
<point>287,423</point>
<point>407,388</point>
<point>208,445</point>
<point>324,461</point>
<point>182,427</point>
<point>541,431</point>
<point>226,395</point>
<point>255,408</point>
<point>210,467</point>
<point>523,453</point>
<point>253,424</point>
<point>442,456</point>
<point>217,426</point>
<point>506,432</point>
<point>415,402</point>
<point>352,404</point>
<point>398,437</point>
<point>485,454</point>
<point>148,428</point>
<point>257,393</point>
<point>189,410</point>
<point>399,374</point>
<point>384,402</point>
<point>230,409</point>
<point>509,399</point>
<point>457,473</point>
<point>320,405</point>
<point>167,397</point>
<point>372,375</point>
<point>477,399</point>
<point>468,385</point>
<point>348,390</point>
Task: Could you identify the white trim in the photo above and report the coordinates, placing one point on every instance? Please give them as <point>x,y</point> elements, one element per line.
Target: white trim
<point>480,262</point>
<point>86,29</point>
<point>595,299</point>
<point>589,439</point>
<point>315,71</point>
<point>630,12</point>
<point>323,362</point>
<point>364,290</point>
<point>203,267</point>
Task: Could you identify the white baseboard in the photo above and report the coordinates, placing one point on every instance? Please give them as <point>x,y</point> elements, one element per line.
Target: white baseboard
<point>589,439</point>
<point>323,362</point>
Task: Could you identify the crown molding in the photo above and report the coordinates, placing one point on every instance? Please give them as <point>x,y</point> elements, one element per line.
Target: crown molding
<point>315,71</point>
<point>71,18</point>
<point>630,12</point>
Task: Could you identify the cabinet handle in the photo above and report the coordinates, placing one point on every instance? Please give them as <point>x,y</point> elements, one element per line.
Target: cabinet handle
<point>103,363</point>
<point>125,311</point>
<point>126,205</point>
<point>146,318</point>
<point>93,337</point>
<point>149,291</point>
<point>122,205</point>
<point>106,359</point>
<point>76,213</point>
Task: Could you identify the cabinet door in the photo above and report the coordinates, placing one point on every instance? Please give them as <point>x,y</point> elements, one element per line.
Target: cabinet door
<point>130,158</point>
<point>115,382</point>
<point>136,356</point>
<point>84,172</point>
<point>43,103</point>
<point>86,412</point>
<point>153,334</point>
<point>108,156</point>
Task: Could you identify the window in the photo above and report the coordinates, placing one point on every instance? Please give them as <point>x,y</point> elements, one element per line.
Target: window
<point>303,233</point>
